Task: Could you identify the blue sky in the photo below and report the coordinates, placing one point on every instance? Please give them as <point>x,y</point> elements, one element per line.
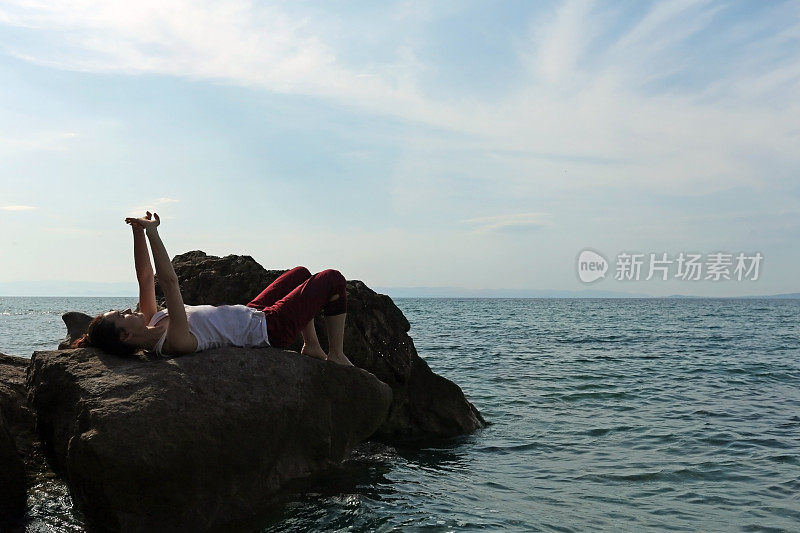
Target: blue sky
<point>461,144</point>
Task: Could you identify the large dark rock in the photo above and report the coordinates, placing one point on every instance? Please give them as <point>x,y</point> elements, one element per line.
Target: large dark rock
<point>425,404</point>
<point>195,442</point>
<point>209,280</point>
<point>16,425</point>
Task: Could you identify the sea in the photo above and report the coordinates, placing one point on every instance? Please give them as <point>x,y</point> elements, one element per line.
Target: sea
<point>605,415</point>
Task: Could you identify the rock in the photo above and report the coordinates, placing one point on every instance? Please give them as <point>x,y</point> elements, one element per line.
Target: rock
<point>77,324</point>
<point>12,478</point>
<point>16,425</point>
<point>195,442</point>
<point>13,401</point>
<point>210,280</point>
<point>21,420</point>
<point>425,404</point>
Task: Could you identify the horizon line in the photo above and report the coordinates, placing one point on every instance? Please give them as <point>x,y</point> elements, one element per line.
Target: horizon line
<point>585,296</point>
<point>127,289</point>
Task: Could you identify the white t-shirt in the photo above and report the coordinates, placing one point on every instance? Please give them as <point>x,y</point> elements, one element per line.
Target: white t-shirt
<point>223,325</point>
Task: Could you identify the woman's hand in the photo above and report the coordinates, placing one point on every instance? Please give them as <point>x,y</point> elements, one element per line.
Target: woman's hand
<point>146,222</point>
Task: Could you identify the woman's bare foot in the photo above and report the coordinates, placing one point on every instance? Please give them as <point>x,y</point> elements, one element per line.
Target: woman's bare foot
<point>338,357</point>
<point>314,351</point>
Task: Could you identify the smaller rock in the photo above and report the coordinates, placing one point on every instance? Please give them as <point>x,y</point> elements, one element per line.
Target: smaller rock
<point>77,324</point>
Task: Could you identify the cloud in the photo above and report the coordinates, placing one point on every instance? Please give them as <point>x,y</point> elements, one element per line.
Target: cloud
<point>17,208</point>
<point>76,231</point>
<point>152,206</point>
<point>164,201</point>
<point>510,223</point>
<point>684,98</point>
<point>236,41</point>
<point>40,140</point>
<point>564,41</point>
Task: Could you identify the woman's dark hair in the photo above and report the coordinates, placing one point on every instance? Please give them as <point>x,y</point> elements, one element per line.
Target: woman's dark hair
<point>104,335</point>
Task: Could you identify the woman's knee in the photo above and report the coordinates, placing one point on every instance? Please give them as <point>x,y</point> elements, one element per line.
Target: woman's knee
<point>337,304</point>
<point>302,270</point>
<point>336,277</point>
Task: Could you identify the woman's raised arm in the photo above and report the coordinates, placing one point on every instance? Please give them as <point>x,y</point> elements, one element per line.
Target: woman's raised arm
<point>144,270</point>
<point>179,339</point>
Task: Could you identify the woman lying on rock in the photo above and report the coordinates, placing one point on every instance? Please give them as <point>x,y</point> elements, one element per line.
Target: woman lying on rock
<point>274,318</point>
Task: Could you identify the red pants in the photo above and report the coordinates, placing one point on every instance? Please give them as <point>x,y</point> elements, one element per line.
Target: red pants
<point>296,297</point>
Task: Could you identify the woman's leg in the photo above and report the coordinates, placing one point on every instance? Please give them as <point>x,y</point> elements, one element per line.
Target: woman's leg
<point>294,313</point>
<point>283,285</point>
<point>311,346</point>
<point>335,327</point>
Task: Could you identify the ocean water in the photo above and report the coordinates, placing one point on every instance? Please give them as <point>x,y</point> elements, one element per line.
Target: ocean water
<point>634,415</point>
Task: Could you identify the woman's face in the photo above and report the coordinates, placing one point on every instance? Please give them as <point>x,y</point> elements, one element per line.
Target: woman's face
<point>128,321</point>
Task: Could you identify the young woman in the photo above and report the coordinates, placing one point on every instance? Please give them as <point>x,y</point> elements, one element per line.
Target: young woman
<point>274,318</point>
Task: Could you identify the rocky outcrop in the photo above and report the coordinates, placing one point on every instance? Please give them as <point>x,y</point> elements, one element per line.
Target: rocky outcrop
<point>425,404</point>
<point>200,442</point>
<point>210,280</point>
<point>196,442</point>
<point>16,437</point>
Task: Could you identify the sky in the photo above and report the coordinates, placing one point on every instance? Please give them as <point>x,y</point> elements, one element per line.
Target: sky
<point>469,144</point>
